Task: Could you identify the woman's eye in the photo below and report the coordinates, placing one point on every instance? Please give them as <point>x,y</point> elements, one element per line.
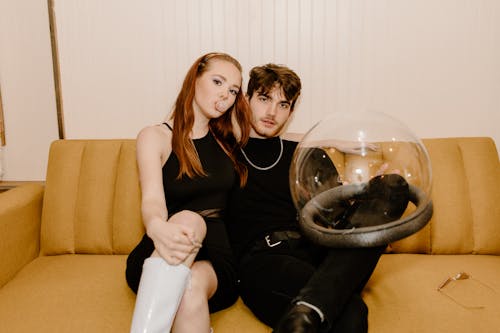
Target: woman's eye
<point>217,82</point>
<point>233,92</point>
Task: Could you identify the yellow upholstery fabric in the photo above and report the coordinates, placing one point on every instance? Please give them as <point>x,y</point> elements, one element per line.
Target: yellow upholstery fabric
<point>465,194</point>
<point>20,210</point>
<point>69,293</point>
<point>402,294</point>
<point>92,197</point>
<point>63,262</point>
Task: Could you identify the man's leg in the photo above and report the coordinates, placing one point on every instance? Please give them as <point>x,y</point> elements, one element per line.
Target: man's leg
<point>343,273</point>
<point>269,282</point>
<point>354,317</point>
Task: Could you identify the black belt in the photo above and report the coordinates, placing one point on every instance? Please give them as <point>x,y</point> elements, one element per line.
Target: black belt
<point>275,238</point>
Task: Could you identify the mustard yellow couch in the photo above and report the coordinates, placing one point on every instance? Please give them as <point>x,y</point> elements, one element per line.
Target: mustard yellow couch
<point>63,247</point>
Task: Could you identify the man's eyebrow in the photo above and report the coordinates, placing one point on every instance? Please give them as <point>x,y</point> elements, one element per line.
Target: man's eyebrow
<point>284,101</point>
<point>271,98</point>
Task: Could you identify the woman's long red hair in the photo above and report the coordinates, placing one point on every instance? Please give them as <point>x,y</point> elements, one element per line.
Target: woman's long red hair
<point>221,127</point>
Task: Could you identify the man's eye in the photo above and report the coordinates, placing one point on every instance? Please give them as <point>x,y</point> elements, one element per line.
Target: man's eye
<point>262,98</point>
<point>285,106</point>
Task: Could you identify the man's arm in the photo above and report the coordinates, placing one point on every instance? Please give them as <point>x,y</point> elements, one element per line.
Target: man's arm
<point>290,136</point>
<point>348,147</point>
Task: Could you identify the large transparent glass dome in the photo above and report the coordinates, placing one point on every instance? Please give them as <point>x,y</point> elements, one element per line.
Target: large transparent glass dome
<point>361,179</point>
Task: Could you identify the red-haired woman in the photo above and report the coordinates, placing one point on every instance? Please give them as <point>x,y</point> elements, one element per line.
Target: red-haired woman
<point>182,269</point>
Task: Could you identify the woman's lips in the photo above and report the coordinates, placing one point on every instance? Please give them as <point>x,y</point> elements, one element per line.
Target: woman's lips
<point>221,106</point>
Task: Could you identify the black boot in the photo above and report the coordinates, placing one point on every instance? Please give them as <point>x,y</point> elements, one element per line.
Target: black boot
<point>299,319</point>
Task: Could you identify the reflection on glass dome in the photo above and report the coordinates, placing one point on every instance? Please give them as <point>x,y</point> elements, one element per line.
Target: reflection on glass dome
<point>361,179</point>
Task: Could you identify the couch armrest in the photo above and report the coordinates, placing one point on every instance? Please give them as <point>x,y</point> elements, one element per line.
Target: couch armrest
<point>20,216</point>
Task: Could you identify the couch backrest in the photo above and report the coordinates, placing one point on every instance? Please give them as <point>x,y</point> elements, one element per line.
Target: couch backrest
<point>466,198</point>
<point>92,199</point>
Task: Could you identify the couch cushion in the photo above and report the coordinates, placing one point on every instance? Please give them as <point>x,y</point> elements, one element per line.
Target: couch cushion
<point>402,294</point>
<point>90,293</point>
<point>92,198</point>
<point>87,293</point>
<point>68,293</point>
<point>237,319</point>
<point>466,179</point>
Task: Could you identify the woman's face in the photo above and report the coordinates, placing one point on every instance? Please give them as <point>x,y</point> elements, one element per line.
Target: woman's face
<point>216,88</point>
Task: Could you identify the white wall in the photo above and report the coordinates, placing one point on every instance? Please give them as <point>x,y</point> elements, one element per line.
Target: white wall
<point>27,85</point>
<point>435,65</point>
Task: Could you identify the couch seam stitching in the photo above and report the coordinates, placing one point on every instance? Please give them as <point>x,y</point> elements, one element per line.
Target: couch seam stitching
<point>471,208</point>
<point>84,149</point>
<point>120,149</point>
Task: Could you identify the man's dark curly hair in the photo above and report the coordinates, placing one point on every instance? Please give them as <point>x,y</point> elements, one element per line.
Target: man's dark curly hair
<point>264,78</point>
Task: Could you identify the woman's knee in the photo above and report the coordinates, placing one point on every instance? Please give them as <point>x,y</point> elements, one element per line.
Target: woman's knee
<point>192,220</point>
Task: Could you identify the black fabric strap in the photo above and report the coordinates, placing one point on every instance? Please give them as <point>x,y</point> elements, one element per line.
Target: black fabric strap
<point>170,128</point>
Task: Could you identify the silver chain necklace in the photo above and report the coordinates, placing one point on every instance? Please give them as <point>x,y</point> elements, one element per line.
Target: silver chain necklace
<point>268,167</point>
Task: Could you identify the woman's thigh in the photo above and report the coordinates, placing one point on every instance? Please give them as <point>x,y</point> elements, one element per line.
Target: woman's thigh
<point>217,250</point>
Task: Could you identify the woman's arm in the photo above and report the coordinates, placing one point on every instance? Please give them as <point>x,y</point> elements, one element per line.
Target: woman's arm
<point>172,241</point>
<point>150,160</point>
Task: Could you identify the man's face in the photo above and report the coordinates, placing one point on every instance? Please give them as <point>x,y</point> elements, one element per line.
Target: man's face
<point>270,112</point>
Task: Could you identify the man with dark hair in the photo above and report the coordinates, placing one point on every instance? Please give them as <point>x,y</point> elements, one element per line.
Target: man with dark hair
<point>288,282</point>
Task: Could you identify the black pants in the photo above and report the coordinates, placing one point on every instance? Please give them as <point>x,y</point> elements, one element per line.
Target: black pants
<point>297,270</point>
<point>215,249</point>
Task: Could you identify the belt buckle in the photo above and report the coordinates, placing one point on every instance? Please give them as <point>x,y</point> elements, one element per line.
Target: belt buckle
<point>268,242</point>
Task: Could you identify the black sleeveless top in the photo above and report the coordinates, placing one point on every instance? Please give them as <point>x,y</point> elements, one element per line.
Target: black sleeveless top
<point>265,203</point>
<point>201,192</point>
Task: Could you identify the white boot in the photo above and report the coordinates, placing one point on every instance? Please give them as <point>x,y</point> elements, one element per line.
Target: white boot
<point>158,297</point>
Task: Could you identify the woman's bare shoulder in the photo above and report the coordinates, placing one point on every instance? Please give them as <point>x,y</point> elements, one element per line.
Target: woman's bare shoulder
<point>154,138</point>
<point>154,132</point>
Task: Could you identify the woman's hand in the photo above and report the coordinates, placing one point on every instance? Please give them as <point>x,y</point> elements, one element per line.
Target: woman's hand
<point>174,242</point>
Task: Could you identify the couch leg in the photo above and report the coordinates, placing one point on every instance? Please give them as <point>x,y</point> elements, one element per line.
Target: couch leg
<point>158,297</point>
